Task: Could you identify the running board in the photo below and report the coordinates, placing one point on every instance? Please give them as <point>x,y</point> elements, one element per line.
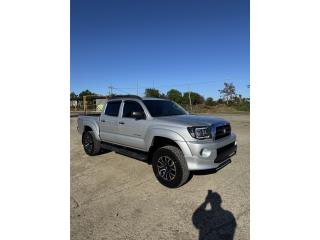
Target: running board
<point>142,156</point>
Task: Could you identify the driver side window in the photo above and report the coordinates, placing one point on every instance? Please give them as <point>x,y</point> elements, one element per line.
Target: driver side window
<point>130,107</point>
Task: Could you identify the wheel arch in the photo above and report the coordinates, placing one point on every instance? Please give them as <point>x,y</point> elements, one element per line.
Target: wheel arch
<point>160,137</point>
<point>89,126</point>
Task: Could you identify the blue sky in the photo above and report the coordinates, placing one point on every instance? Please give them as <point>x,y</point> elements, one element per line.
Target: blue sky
<point>182,44</point>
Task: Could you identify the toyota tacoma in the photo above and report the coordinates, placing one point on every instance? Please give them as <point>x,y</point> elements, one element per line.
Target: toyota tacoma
<point>162,133</point>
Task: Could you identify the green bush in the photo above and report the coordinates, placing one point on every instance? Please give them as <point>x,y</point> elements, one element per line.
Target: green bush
<point>210,102</point>
<point>245,106</point>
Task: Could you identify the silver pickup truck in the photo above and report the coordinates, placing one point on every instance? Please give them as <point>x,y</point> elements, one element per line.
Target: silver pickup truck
<point>162,133</point>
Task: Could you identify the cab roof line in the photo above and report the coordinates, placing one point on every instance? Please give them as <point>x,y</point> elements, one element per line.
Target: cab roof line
<point>125,96</point>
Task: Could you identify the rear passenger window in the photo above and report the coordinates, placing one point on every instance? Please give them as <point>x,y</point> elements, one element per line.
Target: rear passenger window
<point>130,107</point>
<point>113,108</point>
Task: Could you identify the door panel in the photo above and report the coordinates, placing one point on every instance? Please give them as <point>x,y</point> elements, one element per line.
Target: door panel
<point>132,131</point>
<point>109,122</point>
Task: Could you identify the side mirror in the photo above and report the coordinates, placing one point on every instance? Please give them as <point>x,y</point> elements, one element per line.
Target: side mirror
<point>138,115</point>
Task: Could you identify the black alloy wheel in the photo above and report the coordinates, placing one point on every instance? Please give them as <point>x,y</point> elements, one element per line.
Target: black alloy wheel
<point>90,144</point>
<point>170,167</point>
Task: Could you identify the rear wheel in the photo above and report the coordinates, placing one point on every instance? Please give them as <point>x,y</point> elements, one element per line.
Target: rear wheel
<point>90,145</point>
<point>170,167</point>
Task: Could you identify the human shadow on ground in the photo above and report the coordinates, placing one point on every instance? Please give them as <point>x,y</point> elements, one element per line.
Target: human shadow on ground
<point>215,223</point>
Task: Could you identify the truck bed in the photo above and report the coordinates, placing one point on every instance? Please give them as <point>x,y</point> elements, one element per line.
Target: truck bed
<point>89,117</point>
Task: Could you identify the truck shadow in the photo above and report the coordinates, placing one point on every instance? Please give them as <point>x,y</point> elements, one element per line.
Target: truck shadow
<point>215,223</point>
<point>148,161</point>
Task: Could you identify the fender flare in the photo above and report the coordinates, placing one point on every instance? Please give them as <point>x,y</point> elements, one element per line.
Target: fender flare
<point>172,135</point>
<point>93,126</point>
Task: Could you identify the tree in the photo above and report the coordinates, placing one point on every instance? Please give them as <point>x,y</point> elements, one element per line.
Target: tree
<point>86,93</point>
<point>237,98</point>
<point>209,101</point>
<point>196,98</point>
<point>73,95</point>
<point>175,95</point>
<point>220,101</point>
<point>163,96</point>
<point>152,92</point>
<point>228,92</point>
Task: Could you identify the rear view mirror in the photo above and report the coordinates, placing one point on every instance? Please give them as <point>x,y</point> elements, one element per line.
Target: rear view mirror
<point>138,115</point>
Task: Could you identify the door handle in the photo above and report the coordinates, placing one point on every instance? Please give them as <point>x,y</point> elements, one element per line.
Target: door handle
<point>121,123</point>
<point>103,120</point>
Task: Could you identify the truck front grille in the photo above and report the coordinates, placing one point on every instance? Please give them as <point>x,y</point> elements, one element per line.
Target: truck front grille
<point>222,131</point>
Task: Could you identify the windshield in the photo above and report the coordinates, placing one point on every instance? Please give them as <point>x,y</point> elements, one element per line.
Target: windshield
<point>162,108</point>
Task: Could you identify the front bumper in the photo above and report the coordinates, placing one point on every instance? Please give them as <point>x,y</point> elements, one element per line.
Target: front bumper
<point>221,152</point>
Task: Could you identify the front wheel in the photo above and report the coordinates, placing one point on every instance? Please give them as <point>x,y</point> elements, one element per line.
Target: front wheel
<point>90,144</point>
<point>170,167</point>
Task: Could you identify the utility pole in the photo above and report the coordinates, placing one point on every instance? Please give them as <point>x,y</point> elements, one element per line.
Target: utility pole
<point>190,99</point>
<point>110,90</point>
<point>137,88</point>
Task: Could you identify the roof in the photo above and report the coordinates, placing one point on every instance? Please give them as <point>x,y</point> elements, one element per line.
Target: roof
<point>125,96</point>
<point>134,97</point>
<point>151,98</point>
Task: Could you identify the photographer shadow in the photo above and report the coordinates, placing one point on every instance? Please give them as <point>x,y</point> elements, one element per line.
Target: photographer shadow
<point>215,223</point>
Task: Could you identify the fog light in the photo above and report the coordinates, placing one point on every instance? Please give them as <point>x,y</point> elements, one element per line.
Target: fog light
<point>205,152</point>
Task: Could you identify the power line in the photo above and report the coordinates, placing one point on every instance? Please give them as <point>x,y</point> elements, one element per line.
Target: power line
<point>121,90</point>
<point>172,85</point>
<point>186,85</point>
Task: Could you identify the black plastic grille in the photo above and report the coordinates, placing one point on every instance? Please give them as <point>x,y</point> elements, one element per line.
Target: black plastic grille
<point>222,131</point>
<point>225,152</point>
<point>227,147</point>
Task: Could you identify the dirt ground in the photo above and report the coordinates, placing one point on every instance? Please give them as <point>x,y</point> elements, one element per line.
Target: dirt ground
<point>117,197</point>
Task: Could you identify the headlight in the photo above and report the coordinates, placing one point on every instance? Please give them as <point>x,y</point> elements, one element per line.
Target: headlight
<point>200,132</point>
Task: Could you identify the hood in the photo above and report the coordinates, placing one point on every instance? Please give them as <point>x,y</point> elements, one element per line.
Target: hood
<point>193,120</point>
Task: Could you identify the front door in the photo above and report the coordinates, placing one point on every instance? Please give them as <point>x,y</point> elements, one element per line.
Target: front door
<point>132,131</point>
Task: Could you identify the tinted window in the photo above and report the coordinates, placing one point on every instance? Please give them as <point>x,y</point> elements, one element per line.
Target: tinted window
<point>129,107</point>
<point>161,108</point>
<point>113,108</point>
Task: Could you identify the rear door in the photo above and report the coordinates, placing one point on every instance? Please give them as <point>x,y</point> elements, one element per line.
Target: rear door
<point>109,122</point>
<point>132,131</point>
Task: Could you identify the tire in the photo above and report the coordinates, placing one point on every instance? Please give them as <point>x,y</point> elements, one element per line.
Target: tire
<point>90,144</point>
<point>170,167</point>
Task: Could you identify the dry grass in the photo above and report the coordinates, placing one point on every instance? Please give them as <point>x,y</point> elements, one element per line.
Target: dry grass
<point>220,108</point>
